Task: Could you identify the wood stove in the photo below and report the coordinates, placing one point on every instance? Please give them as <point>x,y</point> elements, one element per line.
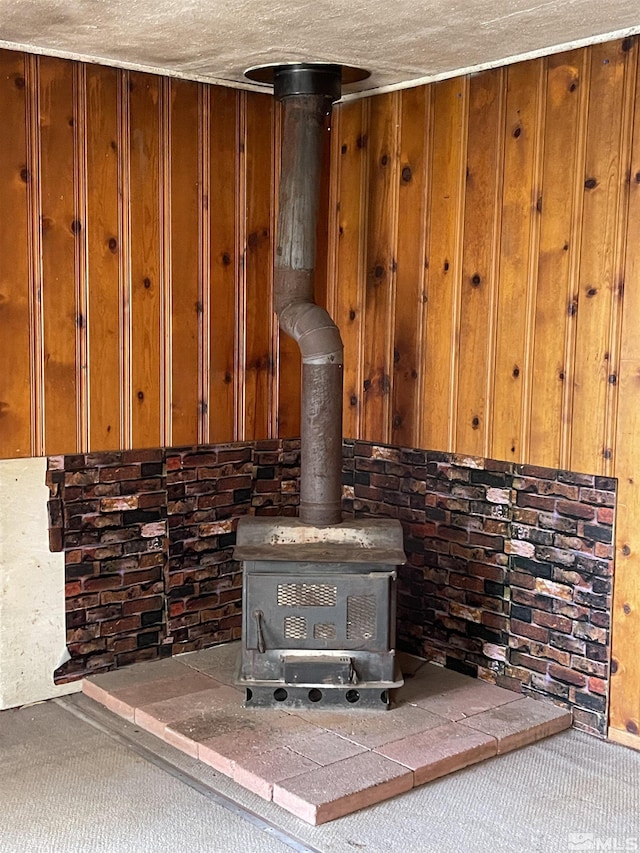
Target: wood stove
<point>318,612</point>
<point>319,592</point>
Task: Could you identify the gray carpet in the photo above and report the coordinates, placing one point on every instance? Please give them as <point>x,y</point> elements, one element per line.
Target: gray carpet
<point>69,787</point>
<point>64,786</point>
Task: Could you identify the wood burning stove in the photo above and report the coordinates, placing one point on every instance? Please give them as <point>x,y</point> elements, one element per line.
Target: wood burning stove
<point>318,612</point>
<point>319,592</point>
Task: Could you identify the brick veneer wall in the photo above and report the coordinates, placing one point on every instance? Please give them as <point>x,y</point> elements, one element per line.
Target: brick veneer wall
<point>208,489</point>
<point>508,577</point>
<point>108,511</point>
<point>509,572</point>
<point>147,536</point>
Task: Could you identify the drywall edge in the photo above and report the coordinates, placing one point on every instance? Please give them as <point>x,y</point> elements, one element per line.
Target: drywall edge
<point>32,604</point>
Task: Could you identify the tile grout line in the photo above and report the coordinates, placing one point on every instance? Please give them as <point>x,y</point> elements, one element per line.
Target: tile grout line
<point>170,769</point>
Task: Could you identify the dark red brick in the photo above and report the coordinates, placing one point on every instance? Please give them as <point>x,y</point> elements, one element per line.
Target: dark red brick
<point>600,618</point>
<point>490,542</point>
<point>525,499</point>
<point>465,582</point>
<point>553,621</point>
<point>124,625</point>
<point>102,582</point>
<point>527,661</point>
<point>532,599</point>
<point>605,515</point>
<point>573,477</point>
<point>152,499</point>
<point>524,581</point>
<point>119,473</point>
<point>569,676</point>
<point>84,634</point>
<point>81,477</point>
<point>56,539</point>
<point>102,614</point>
<point>118,645</point>
<point>142,605</point>
<point>597,685</point>
<point>138,656</point>
<point>495,620</point>
<point>200,460</point>
<point>148,575</point>
<point>574,509</point>
<point>597,497</point>
<point>589,722</point>
<point>525,516</point>
<point>548,687</point>
<point>524,629</point>
<point>603,551</point>
<point>600,669</point>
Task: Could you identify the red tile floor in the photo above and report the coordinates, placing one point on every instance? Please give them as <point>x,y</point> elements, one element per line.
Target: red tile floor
<point>323,764</point>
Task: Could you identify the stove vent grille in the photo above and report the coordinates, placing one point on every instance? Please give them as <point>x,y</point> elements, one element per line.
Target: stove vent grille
<point>361,617</point>
<point>324,631</point>
<point>306,595</point>
<point>295,628</point>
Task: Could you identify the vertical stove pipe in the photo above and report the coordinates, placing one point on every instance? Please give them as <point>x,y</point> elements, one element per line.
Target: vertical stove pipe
<point>307,93</point>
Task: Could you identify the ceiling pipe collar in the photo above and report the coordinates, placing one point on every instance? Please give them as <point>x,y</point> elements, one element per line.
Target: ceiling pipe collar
<point>303,79</point>
<point>307,78</point>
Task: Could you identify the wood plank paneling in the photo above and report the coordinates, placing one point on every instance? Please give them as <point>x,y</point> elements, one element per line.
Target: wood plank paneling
<point>138,310</point>
<point>15,177</point>
<point>346,296</point>
<point>146,279</point>
<point>554,299</point>
<point>433,209</point>
<point>224,261</point>
<point>624,717</point>
<point>415,158</point>
<point>258,260</point>
<point>596,279</point>
<point>630,51</point>
<point>480,262</point>
<point>186,307</point>
<point>204,260</point>
<point>520,196</point>
<point>444,258</point>
<point>625,683</point>
<point>383,154</point>
<point>102,255</point>
<point>321,274</point>
<point>61,228</point>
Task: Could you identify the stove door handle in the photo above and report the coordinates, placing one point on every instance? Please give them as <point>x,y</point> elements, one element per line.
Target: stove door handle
<point>257,615</point>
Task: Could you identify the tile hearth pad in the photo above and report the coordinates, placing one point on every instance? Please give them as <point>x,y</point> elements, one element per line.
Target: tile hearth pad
<point>322,765</point>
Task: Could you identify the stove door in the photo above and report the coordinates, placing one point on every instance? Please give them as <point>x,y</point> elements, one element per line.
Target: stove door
<point>340,611</point>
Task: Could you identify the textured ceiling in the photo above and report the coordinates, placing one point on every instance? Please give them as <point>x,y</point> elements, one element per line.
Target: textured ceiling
<point>400,41</point>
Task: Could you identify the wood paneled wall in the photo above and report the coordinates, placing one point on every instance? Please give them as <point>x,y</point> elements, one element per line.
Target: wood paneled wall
<point>485,273</point>
<point>135,261</point>
<point>482,262</point>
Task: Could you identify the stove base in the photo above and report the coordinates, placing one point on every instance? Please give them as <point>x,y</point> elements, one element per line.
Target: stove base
<point>300,697</point>
<point>366,695</point>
